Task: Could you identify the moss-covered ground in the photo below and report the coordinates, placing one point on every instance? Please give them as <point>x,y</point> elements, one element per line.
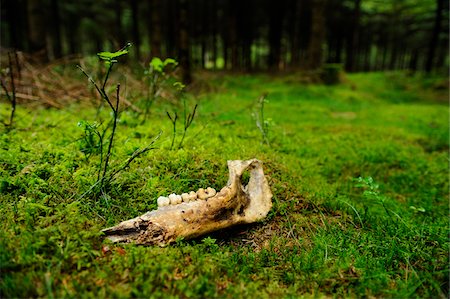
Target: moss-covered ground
<point>359,174</point>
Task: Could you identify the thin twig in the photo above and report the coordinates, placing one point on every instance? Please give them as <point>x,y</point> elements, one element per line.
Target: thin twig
<point>107,75</point>
<point>111,138</point>
<point>187,123</point>
<point>100,137</point>
<point>135,154</point>
<point>3,84</point>
<point>174,123</point>
<point>91,80</point>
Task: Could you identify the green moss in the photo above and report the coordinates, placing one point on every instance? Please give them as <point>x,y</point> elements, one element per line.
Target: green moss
<point>323,237</point>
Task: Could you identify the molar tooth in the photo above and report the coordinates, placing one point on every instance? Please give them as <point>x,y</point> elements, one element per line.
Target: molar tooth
<point>192,195</point>
<point>185,197</point>
<point>211,192</point>
<point>163,201</point>
<point>173,199</point>
<point>201,194</point>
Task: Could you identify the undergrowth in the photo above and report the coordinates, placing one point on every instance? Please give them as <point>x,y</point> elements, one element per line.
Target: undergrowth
<point>358,171</point>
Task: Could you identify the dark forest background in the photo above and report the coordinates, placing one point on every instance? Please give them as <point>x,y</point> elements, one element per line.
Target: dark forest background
<point>242,35</point>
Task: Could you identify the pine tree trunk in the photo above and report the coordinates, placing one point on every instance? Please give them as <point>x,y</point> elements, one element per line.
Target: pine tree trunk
<point>37,29</point>
<point>435,35</point>
<point>275,32</point>
<point>118,24</point>
<point>155,28</point>
<point>295,38</point>
<point>184,53</point>
<point>232,33</point>
<point>352,41</point>
<point>56,31</point>
<point>15,17</point>
<point>317,37</point>
<point>135,28</point>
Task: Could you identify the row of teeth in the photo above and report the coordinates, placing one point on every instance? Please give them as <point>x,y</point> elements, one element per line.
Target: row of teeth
<point>175,199</point>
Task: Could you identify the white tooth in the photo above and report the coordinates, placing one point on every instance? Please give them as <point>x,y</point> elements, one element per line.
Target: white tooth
<point>163,201</point>
<point>201,194</point>
<point>173,199</point>
<point>192,195</point>
<point>211,191</point>
<point>179,199</point>
<point>185,197</point>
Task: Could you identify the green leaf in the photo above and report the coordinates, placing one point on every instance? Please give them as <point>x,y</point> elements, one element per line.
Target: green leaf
<point>110,56</point>
<point>168,61</point>
<point>179,86</point>
<point>157,65</point>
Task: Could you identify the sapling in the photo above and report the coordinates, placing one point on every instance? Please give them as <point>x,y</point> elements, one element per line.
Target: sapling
<point>188,118</point>
<point>155,75</point>
<point>105,176</point>
<point>261,122</point>
<point>110,59</point>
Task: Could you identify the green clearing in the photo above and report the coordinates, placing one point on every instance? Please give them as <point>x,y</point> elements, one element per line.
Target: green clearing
<point>325,236</point>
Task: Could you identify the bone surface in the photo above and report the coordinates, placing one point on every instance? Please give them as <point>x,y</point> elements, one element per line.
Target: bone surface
<point>234,204</point>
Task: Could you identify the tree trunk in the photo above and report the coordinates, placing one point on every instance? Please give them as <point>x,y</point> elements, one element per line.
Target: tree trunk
<point>295,38</point>
<point>204,35</point>
<point>275,33</point>
<point>435,35</point>
<point>338,51</point>
<point>15,12</point>
<point>394,55</point>
<point>413,60</point>
<point>135,28</point>
<point>352,41</point>
<point>171,37</point>
<point>155,28</point>
<point>317,37</point>
<point>245,36</point>
<point>232,35</point>
<point>184,54</point>
<point>213,18</point>
<point>118,24</point>
<point>384,59</point>
<point>56,30</point>
<point>37,29</point>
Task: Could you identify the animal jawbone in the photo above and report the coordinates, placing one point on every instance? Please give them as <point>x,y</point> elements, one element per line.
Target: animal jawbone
<point>197,213</point>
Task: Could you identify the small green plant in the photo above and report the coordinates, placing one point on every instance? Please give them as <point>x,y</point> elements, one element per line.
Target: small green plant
<point>188,117</point>
<point>11,97</point>
<point>372,193</point>
<point>92,141</point>
<point>156,75</point>
<point>110,58</point>
<point>209,244</point>
<point>263,124</point>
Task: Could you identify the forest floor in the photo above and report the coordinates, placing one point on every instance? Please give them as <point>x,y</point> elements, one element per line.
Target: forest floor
<point>358,171</point>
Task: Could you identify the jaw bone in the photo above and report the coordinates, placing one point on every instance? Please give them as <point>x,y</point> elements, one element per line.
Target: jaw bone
<point>234,204</point>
